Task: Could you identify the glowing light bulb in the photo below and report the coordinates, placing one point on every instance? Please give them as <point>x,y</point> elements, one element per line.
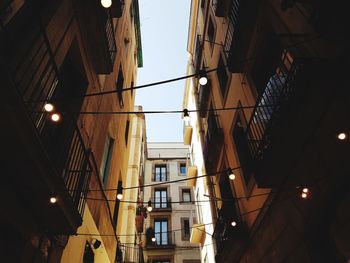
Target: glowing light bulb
<point>233,223</point>
<point>232,176</point>
<point>305,190</point>
<point>55,117</point>
<point>149,208</point>
<point>342,136</point>
<point>203,80</point>
<point>153,239</point>
<point>106,3</point>
<point>53,199</point>
<point>119,196</point>
<point>304,195</point>
<point>48,107</point>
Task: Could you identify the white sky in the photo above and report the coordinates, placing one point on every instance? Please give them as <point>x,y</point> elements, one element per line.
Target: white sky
<point>164,28</point>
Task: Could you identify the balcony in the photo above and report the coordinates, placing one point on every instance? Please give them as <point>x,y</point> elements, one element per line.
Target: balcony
<point>197,56</point>
<point>242,19</point>
<point>198,234</point>
<point>292,119</point>
<point>191,170</point>
<point>97,24</point>
<point>42,158</point>
<point>117,8</point>
<point>187,134</point>
<point>161,204</point>
<point>203,99</point>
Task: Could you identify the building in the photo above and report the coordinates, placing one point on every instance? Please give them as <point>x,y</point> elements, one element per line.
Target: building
<point>278,69</point>
<point>57,164</point>
<point>131,221</point>
<point>168,225</point>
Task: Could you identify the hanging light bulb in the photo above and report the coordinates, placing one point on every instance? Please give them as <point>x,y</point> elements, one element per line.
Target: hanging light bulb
<point>304,195</point>
<point>203,80</point>
<point>231,175</point>
<point>53,199</point>
<point>305,190</point>
<point>106,3</point>
<point>55,117</point>
<point>48,107</point>
<point>186,115</point>
<point>149,206</point>
<point>153,239</point>
<point>342,136</point>
<point>119,192</point>
<point>233,223</point>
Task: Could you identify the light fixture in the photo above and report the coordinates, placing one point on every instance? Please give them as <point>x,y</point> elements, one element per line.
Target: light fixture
<point>153,239</point>
<point>149,206</point>
<point>53,199</point>
<point>342,136</point>
<point>305,190</point>
<point>231,175</point>
<point>55,117</point>
<point>233,223</point>
<point>48,107</point>
<point>304,195</point>
<point>119,192</point>
<point>186,115</point>
<point>203,80</point>
<point>106,3</point>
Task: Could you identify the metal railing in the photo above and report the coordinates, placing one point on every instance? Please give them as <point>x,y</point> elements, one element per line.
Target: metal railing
<point>203,98</point>
<point>110,36</point>
<point>268,107</point>
<point>233,17</point>
<point>161,203</point>
<point>197,58</point>
<point>34,74</point>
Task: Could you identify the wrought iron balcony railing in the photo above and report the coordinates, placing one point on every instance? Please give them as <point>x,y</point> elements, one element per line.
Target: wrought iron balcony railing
<point>269,106</point>
<point>203,98</point>
<point>161,203</point>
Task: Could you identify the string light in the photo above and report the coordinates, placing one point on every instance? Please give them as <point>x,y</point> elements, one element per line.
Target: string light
<point>48,107</point>
<point>342,136</point>
<point>53,199</point>
<point>186,115</point>
<point>55,117</point>
<point>231,175</point>
<point>149,206</point>
<point>153,239</point>
<point>120,192</point>
<point>106,3</point>
<point>233,223</point>
<point>203,80</point>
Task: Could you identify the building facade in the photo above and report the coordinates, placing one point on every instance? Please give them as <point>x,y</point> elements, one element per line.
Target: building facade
<point>131,221</point>
<point>58,162</point>
<point>272,117</point>
<point>168,225</point>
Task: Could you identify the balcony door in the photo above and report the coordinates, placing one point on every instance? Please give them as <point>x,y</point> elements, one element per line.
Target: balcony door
<point>161,231</point>
<point>161,198</point>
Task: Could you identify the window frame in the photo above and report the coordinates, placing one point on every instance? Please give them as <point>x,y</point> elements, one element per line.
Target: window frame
<point>155,177</point>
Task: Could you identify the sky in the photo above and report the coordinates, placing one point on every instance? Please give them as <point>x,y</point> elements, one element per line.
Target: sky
<point>164,29</point>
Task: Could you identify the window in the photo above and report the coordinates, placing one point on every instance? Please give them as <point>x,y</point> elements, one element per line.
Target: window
<point>182,168</point>
<point>127,132</point>
<point>160,174</point>
<point>211,32</point>
<point>161,198</point>
<point>106,159</point>
<point>222,76</point>
<point>185,226</point>
<point>161,231</point>
<point>186,195</point>
<point>119,87</point>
